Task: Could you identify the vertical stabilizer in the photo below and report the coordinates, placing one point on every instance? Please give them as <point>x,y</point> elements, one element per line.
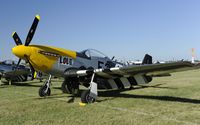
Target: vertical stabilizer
<point>147,59</point>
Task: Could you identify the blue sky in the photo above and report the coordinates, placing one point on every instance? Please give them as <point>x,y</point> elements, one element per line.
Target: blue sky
<point>128,29</point>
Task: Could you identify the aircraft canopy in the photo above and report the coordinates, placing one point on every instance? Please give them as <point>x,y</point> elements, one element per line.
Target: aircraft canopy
<point>93,53</point>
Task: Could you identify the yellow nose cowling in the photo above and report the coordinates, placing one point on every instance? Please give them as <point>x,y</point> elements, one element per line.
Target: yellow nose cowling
<point>21,50</point>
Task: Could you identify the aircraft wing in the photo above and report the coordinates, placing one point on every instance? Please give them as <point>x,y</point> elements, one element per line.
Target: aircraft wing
<point>148,70</point>
<point>15,72</point>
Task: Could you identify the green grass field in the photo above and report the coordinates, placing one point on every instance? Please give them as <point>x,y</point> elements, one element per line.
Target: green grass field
<point>168,101</point>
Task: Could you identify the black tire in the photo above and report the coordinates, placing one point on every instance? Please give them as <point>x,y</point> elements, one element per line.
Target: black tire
<point>70,86</point>
<point>86,98</point>
<point>42,91</point>
<point>66,88</point>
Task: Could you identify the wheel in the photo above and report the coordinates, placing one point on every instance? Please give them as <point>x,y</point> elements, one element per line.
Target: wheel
<point>70,87</point>
<point>66,88</point>
<point>86,98</point>
<point>42,92</point>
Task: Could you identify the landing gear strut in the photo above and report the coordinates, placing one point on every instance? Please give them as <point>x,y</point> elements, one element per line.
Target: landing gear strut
<point>90,96</point>
<point>45,89</point>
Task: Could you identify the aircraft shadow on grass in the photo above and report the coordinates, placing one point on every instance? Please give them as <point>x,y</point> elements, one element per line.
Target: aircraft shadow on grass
<point>118,93</point>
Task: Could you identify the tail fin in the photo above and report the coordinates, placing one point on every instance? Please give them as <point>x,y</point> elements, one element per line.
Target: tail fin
<point>147,59</point>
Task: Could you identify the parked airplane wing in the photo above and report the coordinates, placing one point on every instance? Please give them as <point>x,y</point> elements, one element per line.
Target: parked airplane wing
<point>148,69</point>
<point>159,69</point>
<point>16,72</point>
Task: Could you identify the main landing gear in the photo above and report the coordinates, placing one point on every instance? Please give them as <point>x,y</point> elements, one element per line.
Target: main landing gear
<point>45,89</point>
<point>71,86</point>
<point>90,96</point>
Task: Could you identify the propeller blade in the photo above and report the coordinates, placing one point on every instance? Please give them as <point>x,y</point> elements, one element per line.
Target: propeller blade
<point>14,68</point>
<point>16,38</point>
<point>32,69</point>
<point>32,30</point>
<point>18,62</point>
<point>113,58</point>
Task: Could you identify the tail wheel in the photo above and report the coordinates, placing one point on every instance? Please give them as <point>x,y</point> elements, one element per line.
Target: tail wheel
<point>86,98</point>
<point>43,92</point>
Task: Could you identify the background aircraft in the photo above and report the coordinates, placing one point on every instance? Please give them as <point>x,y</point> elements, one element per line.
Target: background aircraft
<point>89,68</point>
<point>10,71</point>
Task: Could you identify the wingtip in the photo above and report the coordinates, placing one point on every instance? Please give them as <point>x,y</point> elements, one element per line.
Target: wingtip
<point>38,17</point>
<point>13,33</point>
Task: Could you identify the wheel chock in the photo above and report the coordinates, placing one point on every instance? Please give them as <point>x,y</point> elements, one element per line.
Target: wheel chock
<point>82,104</point>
